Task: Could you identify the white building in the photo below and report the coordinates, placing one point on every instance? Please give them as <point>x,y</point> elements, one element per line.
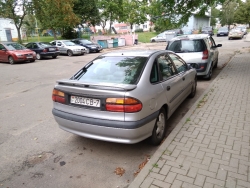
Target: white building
<point>8,31</point>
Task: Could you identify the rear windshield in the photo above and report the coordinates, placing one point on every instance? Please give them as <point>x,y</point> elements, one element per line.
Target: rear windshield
<point>184,46</point>
<point>45,44</point>
<point>120,70</point>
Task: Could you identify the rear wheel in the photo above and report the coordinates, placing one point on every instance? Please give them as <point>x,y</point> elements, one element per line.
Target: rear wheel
<point>11,60</point>
<point>38,56</point>
<point>54,56</point>
<point>153,40</point>
<point>69,53</point>
<point>159,130</point>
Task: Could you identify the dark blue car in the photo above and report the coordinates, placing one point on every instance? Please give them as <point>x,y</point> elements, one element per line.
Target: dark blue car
<point>43,49</point>
<point>91,47</point>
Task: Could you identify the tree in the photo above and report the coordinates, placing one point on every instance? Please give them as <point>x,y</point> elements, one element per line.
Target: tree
<point>110,10</point>
<point>55,14</point>
<point>242,14</point>
<point>215,14</point>
<point>15,10</point>
<point>87,11</point>
<point>134,12</point>
<point>175,13</point>
<point>228,10</point>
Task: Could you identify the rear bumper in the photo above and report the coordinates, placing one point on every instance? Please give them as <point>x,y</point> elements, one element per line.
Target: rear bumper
<point>43,54</point>
<point>106,130</point>
<point>201,68</point>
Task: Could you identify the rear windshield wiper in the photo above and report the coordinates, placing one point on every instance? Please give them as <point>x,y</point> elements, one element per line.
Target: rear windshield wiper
<point>82,70</point>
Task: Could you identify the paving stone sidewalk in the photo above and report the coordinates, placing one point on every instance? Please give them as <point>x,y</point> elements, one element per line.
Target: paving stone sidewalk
<point>209,148</point>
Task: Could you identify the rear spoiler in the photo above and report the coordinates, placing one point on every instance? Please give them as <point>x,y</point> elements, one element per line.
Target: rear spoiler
<point>122,87</point>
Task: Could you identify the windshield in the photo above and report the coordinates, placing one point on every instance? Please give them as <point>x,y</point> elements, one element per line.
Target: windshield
<point>183,46</point>
<point>15,46</point>
<point>119,70</point>
<point>69,43</point>
<point>85,41</point>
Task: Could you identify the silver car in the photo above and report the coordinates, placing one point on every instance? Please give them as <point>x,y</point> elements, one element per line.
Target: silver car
<point>124,96</point>
<point>69,48</point>
<point>159,38</point>
<point>198,50</point>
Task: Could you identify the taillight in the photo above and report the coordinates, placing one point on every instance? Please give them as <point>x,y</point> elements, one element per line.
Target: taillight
<point>45,50</point>
<point>205,54</point>
<point>58,96</point>
<point>57,49</point>
<point>123,105</point>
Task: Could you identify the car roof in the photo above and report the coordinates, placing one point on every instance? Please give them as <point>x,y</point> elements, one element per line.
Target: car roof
<point>141,53</point>
<point>190,37</point>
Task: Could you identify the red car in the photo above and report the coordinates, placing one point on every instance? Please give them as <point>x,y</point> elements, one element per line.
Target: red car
<point>13,52</point>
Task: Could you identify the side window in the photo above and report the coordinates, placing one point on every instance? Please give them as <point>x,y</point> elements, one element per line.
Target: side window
<point>54,43</point>
<point>59,44</point>
<point>29,45</point>
<point>35,45</point>
<point>2,47</point>
<point>154,76</point>
<point>166,68</point>
<point>178,62</point>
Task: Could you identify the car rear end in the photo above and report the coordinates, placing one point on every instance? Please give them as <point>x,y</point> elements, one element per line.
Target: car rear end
<point>193,50</point>
<point>101,102</point>
<point>48,50</point>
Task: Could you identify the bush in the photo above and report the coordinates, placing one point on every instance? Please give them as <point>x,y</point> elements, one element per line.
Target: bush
<point>139,30</point>
<point>69,33</point>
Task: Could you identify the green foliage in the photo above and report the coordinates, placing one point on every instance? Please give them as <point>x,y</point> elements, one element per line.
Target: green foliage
<point>215,13</point>
<point>228,11</point>
<point>146,36</point>
<point>242,14</point>
<point>87,11</point>
<point>55,14</point>
<point>139,30</point>
<point>69,33</point>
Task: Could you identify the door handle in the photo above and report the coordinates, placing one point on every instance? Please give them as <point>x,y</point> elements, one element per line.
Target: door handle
<point>168,88</point>
<point>183,78</point>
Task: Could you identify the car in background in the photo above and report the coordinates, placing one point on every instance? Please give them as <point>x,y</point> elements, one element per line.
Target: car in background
<point>69,48</point>
<point>43,49</point>
<point>159,38</point>
<point>124,96</point>
<point>223,31</point>
<point>207,30</point>
<point>198,50</point>
<point>14,52</point>
<point>90,46</point>
<point>236,33</point>
<point>243,28</point>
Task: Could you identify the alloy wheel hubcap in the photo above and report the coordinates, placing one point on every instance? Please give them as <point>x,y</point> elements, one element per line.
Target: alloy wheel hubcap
<point>160,125</point>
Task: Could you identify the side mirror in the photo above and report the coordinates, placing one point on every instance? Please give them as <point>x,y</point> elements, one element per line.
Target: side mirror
<point>189,66</point>
<point>219,45</point>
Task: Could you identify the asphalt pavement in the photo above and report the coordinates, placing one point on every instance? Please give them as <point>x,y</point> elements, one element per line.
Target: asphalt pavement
<point>210,146</point>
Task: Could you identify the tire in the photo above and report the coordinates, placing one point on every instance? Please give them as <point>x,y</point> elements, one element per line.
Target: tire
<point>229,38</point>
<point>38,56</point>
<point>209,74</point>
<point>153,40</point>
<point>87,51</point>
<point>193,91</point>
<point>159,130</point>
<point>11,60</point>
<point>69,53</point>
<point>54,56</point>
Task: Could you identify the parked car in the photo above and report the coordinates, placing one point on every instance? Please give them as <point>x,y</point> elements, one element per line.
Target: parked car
<point>198,50</point>
<point>223,31</point>
<point>235,33</point>
<point>159,38</point>
<point>243,28</point>
<point>43,49</point>
<point>13,52</point>
<point>90,46</point>
<point>124,96</point>
<point>207,30</point>
<point>68,47</point>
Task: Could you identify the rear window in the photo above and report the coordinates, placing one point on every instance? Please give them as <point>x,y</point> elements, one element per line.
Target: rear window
<point>120,70</point>
<point>184,46</point>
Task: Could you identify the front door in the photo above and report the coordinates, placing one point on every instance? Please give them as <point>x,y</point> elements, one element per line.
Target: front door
<point>8,35</point>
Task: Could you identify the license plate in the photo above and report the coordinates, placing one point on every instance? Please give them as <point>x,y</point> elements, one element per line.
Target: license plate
<point>30,56</point>
<point>85,101</point>
<point>51,49</point>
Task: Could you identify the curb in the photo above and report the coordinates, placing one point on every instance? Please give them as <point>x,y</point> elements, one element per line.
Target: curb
<point>146,170</point>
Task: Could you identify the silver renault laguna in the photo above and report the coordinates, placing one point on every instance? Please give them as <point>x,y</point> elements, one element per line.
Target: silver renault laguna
<point>124,96</point>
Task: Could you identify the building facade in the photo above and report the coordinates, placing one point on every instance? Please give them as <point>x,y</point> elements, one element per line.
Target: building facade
<point>8,31</point>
